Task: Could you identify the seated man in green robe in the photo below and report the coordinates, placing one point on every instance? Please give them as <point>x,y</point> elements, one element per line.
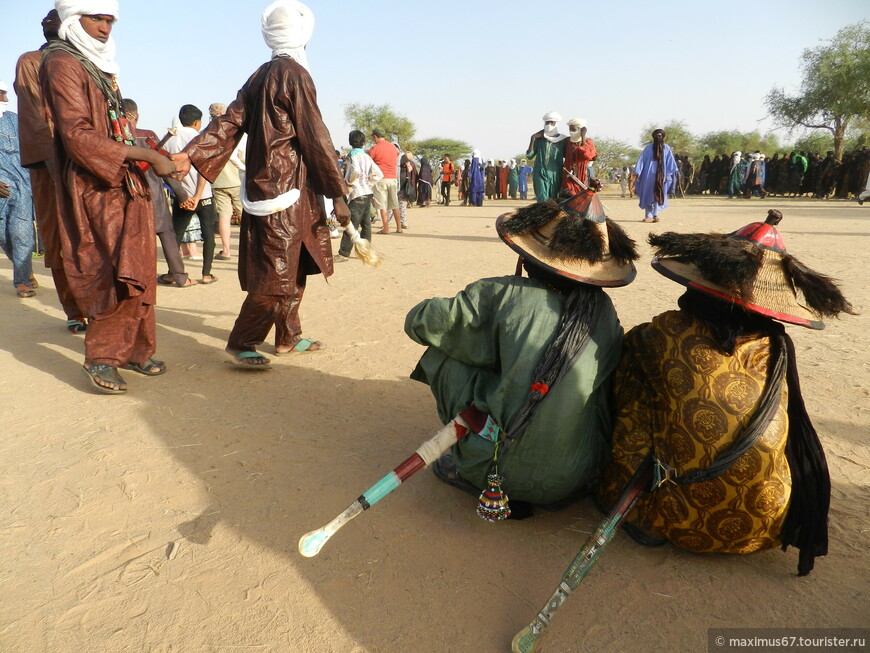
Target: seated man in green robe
<point>534,353</point>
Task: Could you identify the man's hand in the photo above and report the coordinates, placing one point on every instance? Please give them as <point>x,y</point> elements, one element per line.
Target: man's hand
<point>182,163</point>
<point>5,191</point>
<point>582,134</point>
<point>341,210</point>
<point>164,167</point>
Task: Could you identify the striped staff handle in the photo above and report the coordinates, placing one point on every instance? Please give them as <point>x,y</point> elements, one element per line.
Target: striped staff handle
<point>470,419</point>
<point>526,641</point>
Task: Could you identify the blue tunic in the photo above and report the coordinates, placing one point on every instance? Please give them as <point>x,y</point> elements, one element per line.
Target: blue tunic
<point>525,171</point>
<point>646,169</point>
<point>16,211</point>
<point>475,182</point>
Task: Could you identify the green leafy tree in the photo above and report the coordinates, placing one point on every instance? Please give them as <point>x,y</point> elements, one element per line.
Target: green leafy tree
<point>734,140</point>
<point>367,117</point>
<point>834,90</point>
<point>435,148</point>
<point>815,141</point>
<point>613,154</point>
<point>858,134</point>
<point>677,135</point>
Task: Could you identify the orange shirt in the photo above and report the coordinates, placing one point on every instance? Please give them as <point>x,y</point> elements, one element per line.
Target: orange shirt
<point>447,172</point>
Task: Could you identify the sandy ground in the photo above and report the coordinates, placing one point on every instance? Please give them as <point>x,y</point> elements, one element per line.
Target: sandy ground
<point>230,468</point>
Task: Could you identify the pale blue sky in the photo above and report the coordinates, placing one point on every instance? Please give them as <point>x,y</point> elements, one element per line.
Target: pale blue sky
<point>481,71</point>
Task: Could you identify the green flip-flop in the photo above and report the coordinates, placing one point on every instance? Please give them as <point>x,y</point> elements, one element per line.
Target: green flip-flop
<point>245,359</point>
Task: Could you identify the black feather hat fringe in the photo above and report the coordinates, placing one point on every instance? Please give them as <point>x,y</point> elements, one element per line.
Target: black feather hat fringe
<point>577,238</point>
<point>622,246</point>
<point>531,217</point>
<point>727,262</point>
<point>820,291</point>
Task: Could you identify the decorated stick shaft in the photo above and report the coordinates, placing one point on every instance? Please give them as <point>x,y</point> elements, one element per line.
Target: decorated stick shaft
<point>311,543</point>
<point>526,640</point>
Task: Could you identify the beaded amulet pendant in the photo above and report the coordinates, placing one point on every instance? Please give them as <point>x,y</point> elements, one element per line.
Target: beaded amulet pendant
<point>493,503</point>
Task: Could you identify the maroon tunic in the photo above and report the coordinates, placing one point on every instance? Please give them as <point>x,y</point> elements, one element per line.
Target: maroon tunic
<point>107,236</point>
<point>288,147</point>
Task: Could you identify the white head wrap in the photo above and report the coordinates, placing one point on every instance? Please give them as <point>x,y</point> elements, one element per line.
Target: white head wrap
<point>475,154</point>
<point>552,116</point>
<point>102,55</point>
<point>287,28</point>
<point>513,163</point>
<point>3,105</point>
<point>576,122</point>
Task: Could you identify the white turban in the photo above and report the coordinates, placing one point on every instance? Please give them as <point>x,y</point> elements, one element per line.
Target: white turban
<point>551,132</point>
<point>475,154</point>
<point>287,28</point>
<point>4,87</point>
<point>102,55</point>
<point>580,124</point>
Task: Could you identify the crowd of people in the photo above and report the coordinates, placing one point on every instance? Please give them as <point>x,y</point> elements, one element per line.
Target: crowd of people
<point>537,353</point>
<point>792,174</point>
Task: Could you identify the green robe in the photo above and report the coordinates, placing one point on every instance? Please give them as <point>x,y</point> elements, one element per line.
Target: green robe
<point>484,345</point>
<point>547,175</point>
<point>513,182</point>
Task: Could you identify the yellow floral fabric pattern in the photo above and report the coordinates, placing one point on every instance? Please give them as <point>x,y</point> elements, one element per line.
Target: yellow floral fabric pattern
<point>677,391</point>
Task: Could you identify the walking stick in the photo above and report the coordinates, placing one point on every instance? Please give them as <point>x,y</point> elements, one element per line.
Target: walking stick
<point>311,543</point>
<point>526,640</point>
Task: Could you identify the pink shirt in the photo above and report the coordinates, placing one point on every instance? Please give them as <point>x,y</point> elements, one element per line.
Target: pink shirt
<point>386,156</point>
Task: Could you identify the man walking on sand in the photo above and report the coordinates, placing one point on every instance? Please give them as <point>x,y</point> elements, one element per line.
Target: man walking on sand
<point>656,171</point>
<point>284,236</point>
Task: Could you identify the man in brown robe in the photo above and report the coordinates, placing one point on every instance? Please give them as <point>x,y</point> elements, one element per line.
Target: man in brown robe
<point>37,155</point>
<point>289,154</point>
<point>106,220</point>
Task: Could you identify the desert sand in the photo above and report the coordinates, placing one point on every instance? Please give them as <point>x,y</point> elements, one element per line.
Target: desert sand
<point>167,520</point>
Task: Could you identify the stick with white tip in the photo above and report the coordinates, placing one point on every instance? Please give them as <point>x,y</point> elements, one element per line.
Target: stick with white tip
<point>363,248</point>
<point>311,543</point>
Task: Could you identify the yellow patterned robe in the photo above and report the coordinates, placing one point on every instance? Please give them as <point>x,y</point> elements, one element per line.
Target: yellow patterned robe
<point>675,389</point>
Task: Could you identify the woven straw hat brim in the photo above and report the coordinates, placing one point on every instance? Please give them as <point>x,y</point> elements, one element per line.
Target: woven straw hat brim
<point>609,273</point>
<point>772,293</point>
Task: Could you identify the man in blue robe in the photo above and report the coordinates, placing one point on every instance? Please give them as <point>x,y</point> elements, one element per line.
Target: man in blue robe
<point>475,180</point>
<point>656,171</point>
<point>16,203</point>
<point>524,171</point>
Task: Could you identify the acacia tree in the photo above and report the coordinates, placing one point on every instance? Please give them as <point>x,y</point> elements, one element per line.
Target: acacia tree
<point>613,154</point>
<point>834,90</point>
<point>367,117</point>
<point>434,148</point>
